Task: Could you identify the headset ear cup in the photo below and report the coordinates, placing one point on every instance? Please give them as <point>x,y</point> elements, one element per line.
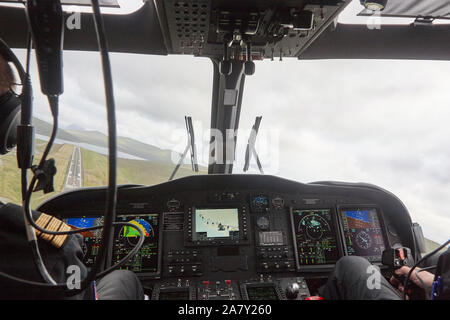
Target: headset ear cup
<point>9,120</point>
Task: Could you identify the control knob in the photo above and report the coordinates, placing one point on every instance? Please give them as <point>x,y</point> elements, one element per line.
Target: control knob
<point>263,223</point>
<point>292,291</point>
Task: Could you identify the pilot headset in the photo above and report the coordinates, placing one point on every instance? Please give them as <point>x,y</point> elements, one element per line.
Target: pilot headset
<point>10,105</point>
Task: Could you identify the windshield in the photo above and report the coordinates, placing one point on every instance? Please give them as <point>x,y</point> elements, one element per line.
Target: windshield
<point>381,122</point>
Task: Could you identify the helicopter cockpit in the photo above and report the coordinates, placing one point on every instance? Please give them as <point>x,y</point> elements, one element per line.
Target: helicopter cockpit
<point>225,236</point>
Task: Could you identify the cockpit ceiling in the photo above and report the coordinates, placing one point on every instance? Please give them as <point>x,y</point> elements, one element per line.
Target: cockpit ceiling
<point>154,30</point>
<point>103,3</point>
<point>414,8</point>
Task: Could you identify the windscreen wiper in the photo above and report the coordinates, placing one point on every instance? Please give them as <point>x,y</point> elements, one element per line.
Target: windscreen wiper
<point>251,147</point>
<point>190,146</point>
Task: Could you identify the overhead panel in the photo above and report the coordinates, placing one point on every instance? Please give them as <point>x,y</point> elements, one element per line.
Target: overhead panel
<point>438,9</point>
<point>275,28</point>
<point>103,3</point>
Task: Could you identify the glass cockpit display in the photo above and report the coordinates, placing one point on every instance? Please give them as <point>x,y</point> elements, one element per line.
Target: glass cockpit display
<point>315,237</point>
<point>91,239</point>
<point>126,237</point>
<point>259,203</point>
<point>363,233</point>
<point>212,224</point>
<point>267,292</point>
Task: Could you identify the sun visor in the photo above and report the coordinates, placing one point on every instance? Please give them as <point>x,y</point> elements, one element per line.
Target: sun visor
<point>103,3</point>
<point>413,9</point>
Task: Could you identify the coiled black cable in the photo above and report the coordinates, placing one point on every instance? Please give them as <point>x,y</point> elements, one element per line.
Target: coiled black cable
<point>110,212</point>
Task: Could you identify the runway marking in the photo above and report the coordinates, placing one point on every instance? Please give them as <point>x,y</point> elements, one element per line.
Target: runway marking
<point>74,177</point>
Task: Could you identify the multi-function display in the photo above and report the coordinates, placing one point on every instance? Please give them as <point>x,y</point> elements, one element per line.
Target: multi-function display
<point>314,237</point>
<point>214,224</point>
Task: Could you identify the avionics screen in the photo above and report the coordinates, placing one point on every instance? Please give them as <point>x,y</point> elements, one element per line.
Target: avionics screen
<point>262,293</point>
<point>315,237</point>
<point>363,233</point>
<point>212,224</point>
<point>91,239</point>
<point>174,295</point>
<point>146,260</point>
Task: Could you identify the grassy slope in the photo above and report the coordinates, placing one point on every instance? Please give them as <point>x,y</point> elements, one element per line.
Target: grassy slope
<point>10,174</point>
<point>430,245</point>
<point>129,171</point>
<point>94,172</point>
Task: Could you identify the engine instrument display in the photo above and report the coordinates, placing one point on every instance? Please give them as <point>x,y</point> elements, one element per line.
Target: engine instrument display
<point>174,295</point>
<point>214,224</point>
<point>363,233</point>
<point>267,292</point>
<point>91,239</point>
<point>126,237</point>
<point>314,237</point>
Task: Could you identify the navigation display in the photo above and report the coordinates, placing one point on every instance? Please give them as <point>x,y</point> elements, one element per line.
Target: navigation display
<point>211,224</point>
<point>146,260</point>
<point>91,239</point>
<point>363,233</point>
<point>315,237</point>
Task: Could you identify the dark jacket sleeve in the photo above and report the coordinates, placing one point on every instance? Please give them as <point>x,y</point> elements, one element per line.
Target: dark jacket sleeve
<point>16,258</point>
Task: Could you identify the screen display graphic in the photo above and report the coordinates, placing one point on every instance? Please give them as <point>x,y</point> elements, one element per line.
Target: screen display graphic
<point>315,237</point>
<point>262,293</point>
<point>363,233</point>
<point>91,239</point>
<point>126,238</point>
<point>210,224</point>
<point>174,295</point>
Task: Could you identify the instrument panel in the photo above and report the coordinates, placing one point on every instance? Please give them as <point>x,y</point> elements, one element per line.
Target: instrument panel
<point>207,240</point>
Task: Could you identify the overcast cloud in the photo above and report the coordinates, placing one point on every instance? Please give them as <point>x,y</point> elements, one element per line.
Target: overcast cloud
<point>380,122</point>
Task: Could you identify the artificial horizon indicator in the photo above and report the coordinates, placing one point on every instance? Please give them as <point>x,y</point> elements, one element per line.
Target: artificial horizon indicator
<point>363,233</point>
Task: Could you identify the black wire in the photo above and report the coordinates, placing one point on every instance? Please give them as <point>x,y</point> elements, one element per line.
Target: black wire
<point>37,258</point>
<point>111,195</point>
<point>405,289</point>
<point>29,42</point>
<point>26,119</point>
<point>39,262</point>
<point>110,214</point>
<point>419,278</point>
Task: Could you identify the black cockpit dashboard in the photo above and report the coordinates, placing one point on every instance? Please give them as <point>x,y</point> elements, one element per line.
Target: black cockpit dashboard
<point>239,236</point>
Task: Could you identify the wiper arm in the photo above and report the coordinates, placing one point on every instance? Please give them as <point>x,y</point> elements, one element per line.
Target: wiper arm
<point>190,145</point>
<point>251,147</point>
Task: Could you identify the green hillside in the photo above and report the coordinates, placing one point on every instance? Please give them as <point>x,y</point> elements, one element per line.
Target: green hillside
<point>10,174</point>
<point>129,171</point>
<point>94,167</point>
<point>44,128</point>
<point>126,145</point>
<point>430,245</point>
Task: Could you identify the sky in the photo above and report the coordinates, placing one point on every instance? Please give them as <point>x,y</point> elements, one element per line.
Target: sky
<point>380,122</point>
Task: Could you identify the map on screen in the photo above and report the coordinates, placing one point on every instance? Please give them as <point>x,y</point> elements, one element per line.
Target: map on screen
<point>216,223</point>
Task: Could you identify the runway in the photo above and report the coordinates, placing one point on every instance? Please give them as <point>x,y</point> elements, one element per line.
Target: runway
<point>74,174</point>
